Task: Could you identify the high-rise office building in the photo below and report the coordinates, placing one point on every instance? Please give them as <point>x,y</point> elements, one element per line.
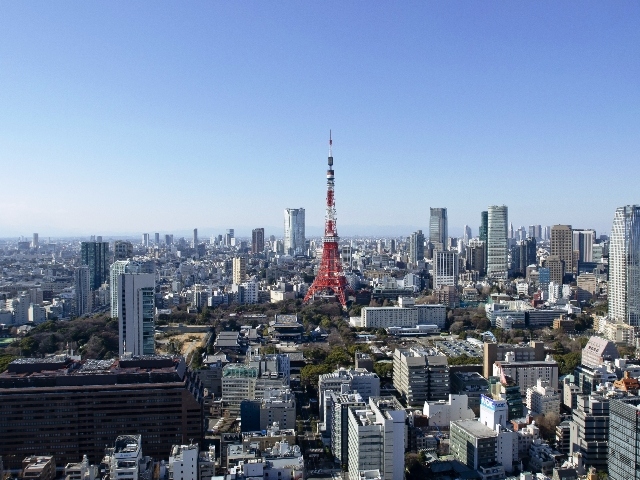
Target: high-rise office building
<point>562,245</point>
<point>96,256</point>
<point>257,240</point>
<point>228,237</point>
<point>168,239</point>
<point>583,241</point>
<point>484,226</point>
<point>525,254</point>
<point>118,267</point>
<point>624,439</point>
<point>483,233</point>
<point>136,313</point>
<point>195,237</point>
<point>122,250</point>
<point>467,234</point>
<point>438,228</point>
<point>83,294</point>
<point>416,248</point>
<point>34,241</point>
<point>239,270</point>
<point>497,242</point>
<point>156,237</point>
<point>624,266</point>
<point>476,255</point>
<point>145,240</point>
<point>535,231</point>
<point>294,231</point>
<point>445,268</point>
<point>546,234</point>
<point>589,430</point>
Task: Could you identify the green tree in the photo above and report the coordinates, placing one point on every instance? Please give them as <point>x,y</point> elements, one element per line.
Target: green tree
<point>383,369</point>
<point>464,359</point>
<point>5,360</point>
<point>568,362</point>
<point>309,373</point>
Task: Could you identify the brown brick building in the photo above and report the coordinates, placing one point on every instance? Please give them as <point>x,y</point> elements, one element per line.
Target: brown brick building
<point>68,408</point>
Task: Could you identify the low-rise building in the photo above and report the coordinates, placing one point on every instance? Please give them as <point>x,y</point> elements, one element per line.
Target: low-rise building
<point>471,384</point>
<point>473,443</point>
<point>183,462</point>
<point>405,314</point>
<point>442,412</point>
<point>39,468</point>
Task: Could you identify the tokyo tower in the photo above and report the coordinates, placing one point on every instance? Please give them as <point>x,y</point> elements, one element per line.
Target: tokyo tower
<point>330,277</point>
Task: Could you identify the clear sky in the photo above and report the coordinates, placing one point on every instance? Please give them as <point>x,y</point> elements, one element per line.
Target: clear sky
<point>130,117</point>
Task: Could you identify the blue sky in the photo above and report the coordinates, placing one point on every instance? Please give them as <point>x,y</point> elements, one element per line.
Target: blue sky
<point>130,117</point>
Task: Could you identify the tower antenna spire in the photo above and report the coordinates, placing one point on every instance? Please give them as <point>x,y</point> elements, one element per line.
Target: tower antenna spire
<point>330,144</point>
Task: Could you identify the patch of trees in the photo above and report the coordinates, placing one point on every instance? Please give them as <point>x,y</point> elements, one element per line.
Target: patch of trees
<point>465,359</point>
<point>383,369</point>
<point>568,362</point>
<point>326,361</point>
<point>93,337</point>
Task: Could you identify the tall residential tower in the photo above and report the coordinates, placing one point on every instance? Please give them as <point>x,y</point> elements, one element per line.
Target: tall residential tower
<point>497,242</point>
<point>624,266</point>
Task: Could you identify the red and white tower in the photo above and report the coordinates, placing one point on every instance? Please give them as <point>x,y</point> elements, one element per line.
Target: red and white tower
<point>330,277</point>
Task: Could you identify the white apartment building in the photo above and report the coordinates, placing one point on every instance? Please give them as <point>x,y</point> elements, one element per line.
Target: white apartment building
<point>405,314</point>
<point>442,412</point>
<point>37,314</point>
<point>183,462</point>
<point>359,380</point>
<point>377,438</point>
<point>445,268</point>
<point>136,313</point>
<point>83,294</point>
<point>543,399</point>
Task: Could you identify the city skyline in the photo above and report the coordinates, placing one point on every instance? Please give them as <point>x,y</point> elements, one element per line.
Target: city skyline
<point>229,105</point>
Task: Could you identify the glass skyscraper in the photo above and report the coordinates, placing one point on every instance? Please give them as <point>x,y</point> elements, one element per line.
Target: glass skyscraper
<point>438,228</point>
<point>294,235</point>
<point>96,256</point>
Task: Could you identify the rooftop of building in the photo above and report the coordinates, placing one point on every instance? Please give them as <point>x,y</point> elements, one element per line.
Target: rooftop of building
<point>528,363</point>
<point>348,373</point>
<point>475,428</point>
<point>178,450</point>
<point>127,444</point>
<point>32,372</point>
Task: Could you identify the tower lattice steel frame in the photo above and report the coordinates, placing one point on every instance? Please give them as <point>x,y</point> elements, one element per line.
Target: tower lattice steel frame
<point>330,276</point>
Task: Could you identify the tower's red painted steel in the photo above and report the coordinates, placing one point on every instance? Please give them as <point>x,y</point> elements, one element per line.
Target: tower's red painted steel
<point>330,276</point>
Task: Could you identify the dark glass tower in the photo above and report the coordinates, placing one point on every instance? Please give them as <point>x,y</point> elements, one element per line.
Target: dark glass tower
<point>96,256</point>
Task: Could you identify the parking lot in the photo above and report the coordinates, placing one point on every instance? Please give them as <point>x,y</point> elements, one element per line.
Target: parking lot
<point>455,348</point>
